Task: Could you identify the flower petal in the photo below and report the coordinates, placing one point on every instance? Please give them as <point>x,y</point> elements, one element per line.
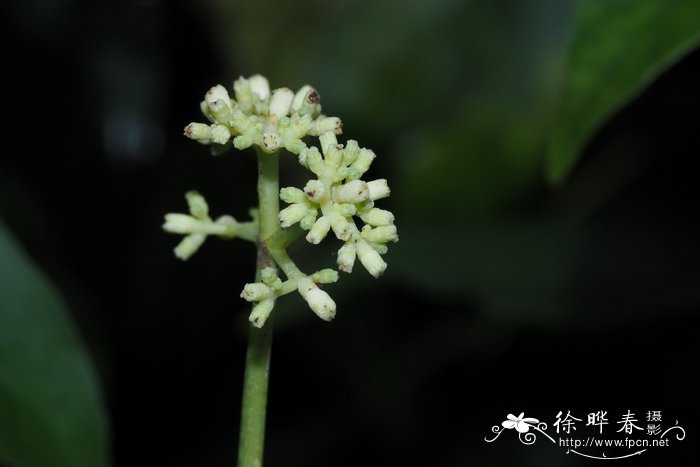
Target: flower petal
<point>522,427</point>
<point>509,424</point>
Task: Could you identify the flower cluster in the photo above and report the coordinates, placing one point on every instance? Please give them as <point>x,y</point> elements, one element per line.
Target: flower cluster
<point>263,294</point>
<point>197,225</point>
<point>332,201</point>
<point>259,117</point>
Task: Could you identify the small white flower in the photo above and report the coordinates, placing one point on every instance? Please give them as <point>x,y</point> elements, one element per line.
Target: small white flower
<point>319,230</point>
<point>319,301</point>
<point>292,195</point>
<point>378,189</point>
<point>219,103</point>
<point>325,276</point>
<point>370,259</point>
<point>361,164</point>
<point>256,291</point>
<point>324,124</point>
<point>341,228</point>
<point>381,234</point>
<point>315,190</point>
<point>260,86</point>
<point>522,425</point>
<point>355,191</point>
<point>217,93</point>
<point>180,224</point>
<point>377,217</point>
<point>197,204</point>
<point>189,245</point>
<point>220,134</point>
<point>281,102</point>
<point>199,132</point>
<point>307,102</point>
<point>261,311</point>
<point>292,214</point>
<point>346,257</point>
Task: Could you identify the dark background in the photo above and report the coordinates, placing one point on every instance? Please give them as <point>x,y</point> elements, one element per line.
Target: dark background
<point>505,294</point>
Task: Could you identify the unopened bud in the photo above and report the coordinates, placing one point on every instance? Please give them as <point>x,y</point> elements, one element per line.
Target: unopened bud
<point>319,301</point>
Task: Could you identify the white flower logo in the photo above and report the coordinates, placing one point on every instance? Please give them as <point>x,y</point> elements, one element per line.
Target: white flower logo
<point>522,425</point>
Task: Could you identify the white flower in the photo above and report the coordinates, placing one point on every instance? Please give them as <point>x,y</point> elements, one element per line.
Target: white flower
<point>260,86</point>
<point>189,245</point>
<point>522,425</point>
<point>319,230</point>
<point>319,301</point>
<point>355,191</point>
<point>378,189</point>
<point>220,134</point>
<point>261,311</point>
<point>180,223</point>
<point>281,102</point>
<point>377,217</point>
<point>346,257</point>
<point>256,291</point>
<point>199,132</point>
<point>370,258</point>
<point>292,214</point>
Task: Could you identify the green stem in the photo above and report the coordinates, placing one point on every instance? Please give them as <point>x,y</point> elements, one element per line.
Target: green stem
<point>257,364</point>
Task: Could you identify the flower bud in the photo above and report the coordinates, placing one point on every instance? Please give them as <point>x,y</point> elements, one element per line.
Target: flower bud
<point>256,291</point>
<point>217,93</point>
<point>376,216</point>
<point>308,220</point>
<point>261,311</point>
<point>307,101</point>
<point>198,132</point>
<point>260,86</point>
<point>327,140</point>
<point>315,190</point>
<point>370,259</point>
<point>292,214</point>
<point>220,134</point>
<point>291,194</point>
<point>197,204</point>
<point>378,189</point>
<point>346,257</point>
<point>219,103</point>
<point>242,142</point>
<point>350,153</point>
<point>189,245</point>
<point>345,209</point>
<point>361,164</point>
<point>355,191</point>
<point>294,145</point>
<point>313,160</point>
<point>281,102</point>
<point>325,276</point>
<point>180,224</point>
<point>319,301</point>
<point>324,124</point>
<point>319,230</point>
<point>268,275</point>
<point>341,227</point>
<point>382,234</point>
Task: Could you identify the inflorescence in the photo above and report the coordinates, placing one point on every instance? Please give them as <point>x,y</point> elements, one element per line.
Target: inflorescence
<point>333,200</point>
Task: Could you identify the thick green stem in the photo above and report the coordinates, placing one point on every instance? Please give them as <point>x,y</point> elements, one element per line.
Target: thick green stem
<point>257,365</point>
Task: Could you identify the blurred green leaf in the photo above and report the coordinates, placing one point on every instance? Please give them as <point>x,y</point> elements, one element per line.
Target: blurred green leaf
<point>51,412</point>
<point>619,47</point>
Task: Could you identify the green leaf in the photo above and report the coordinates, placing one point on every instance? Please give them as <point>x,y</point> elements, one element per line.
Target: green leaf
<point>618,48</point>
<point>51,412</point>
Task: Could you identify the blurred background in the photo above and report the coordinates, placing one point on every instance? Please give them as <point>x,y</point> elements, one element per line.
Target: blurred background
<point>543,159</point>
